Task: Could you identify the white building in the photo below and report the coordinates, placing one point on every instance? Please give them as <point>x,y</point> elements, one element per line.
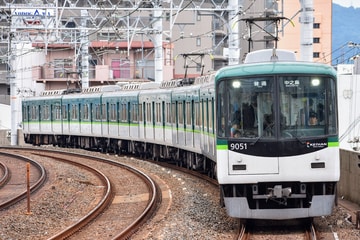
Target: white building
<point>349,112</point>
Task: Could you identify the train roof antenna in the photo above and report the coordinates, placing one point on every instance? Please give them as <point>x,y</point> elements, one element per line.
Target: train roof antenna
<point>274,57</point>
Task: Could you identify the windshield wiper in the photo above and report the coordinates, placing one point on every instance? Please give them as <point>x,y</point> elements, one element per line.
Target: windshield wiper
<point>255,141</point>
<point>300,141</point>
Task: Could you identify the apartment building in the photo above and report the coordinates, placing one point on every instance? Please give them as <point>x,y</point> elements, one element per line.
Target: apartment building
<point>195,40</point>
<point>290,37</point>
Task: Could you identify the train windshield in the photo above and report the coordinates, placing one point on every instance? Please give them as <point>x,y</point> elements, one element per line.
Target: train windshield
<point>277,107</point>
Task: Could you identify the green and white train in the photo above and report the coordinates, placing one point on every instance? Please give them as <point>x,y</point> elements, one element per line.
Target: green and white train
<point>266,129</point>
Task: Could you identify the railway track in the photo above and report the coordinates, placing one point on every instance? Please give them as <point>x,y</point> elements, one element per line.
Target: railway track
<point>252,231</point>
<point>139,165</point>
<point>4,177</point>
<point>113,199</point>
<point>304,230</point>
<point>14,186</point>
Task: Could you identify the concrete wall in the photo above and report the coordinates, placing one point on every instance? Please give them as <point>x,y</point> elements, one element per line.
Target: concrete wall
<point>349,186</point>
<point>5,137</point>
<point>5,116</point>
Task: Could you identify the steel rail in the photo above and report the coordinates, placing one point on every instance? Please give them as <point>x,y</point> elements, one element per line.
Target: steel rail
<point>153,202</point>
<point>33,187</point>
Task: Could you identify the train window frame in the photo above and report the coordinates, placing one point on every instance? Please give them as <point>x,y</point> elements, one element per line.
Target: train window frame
<point>202,110</point>
<point>141,112</point>
<point>64,112</point>
<point>103,112</point>
<point>332,110</point>
<point>212,116</point>
<point>135,113</point>
<point>153,112</point>
<point>158,113</point>
<point>45,112</point>
<point>85,116</point>
<point>97,112</point>
<point>57,112</point>
<point>197,120</point>
<point>42,112</point>
<point>148,112</point>
<point>188,114</point>
<point>207,116</point>
<point>173,113</point>
<point>242,94</point>
<point>112,112</point>
<point>34,112</point>
<point>163,113</point>
<point>180,113</point>
<point>168,119</point>
<point>314,114</point>
<point>123,112</point>
<point>128,112</point>
<point>74,112</point>
<point>25,112</point>
<point>290,93</point>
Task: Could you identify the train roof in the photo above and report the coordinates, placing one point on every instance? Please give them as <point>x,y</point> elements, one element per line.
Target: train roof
<point>274,61</point>
<point>264,68</point>
<point>102,88</point>
<point>266,55</point>
<point>42,97</point>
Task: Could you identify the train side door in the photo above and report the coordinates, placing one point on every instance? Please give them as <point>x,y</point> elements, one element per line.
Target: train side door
<point>163,119</point>
<point>159,123</point>
<point>197,123</point>
<point>150,121</point>
<point>56,117</point>
<point>211,127</point>
<point>134,119</point>
<point>25,117</point>
<point>182,123</point>
<point>41,109</point>
<point>91,118</point>
<point>125,118</point>
<point>168,122</point>
<point>189,116</point>
<point>204,127</point>
<point>65,118</point>
<point>75,119</point>
<point>142,120</point>
<point>45,117</point>
<point>34,117</point>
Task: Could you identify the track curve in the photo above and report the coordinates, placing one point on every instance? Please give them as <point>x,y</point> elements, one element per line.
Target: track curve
<point>71,232</point>
<point>20,195</point>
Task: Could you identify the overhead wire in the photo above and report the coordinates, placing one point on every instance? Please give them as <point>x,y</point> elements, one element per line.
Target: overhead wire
<point>205,34</point>
<point>343,57</point>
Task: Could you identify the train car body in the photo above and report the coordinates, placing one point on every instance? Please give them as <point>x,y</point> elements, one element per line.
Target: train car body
<point>277,144</point>
<point>208,117</point>
<point>119,123</point>
<point>267,130</point>
<point>42,116</point>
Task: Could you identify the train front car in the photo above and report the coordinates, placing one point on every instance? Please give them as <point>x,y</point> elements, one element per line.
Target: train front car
<point>277,138</point>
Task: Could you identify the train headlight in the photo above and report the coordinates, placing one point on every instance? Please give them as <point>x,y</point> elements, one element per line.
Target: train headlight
<point>236,84</point>
<point>315,82</point>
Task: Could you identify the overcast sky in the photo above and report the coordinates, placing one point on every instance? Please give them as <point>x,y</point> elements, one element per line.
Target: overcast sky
<point>348,3</point>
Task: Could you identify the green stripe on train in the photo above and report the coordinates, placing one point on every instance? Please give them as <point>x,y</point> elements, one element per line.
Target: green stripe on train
<point>333,141</point>
<point>221,147</point>
<point>221,144</point>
